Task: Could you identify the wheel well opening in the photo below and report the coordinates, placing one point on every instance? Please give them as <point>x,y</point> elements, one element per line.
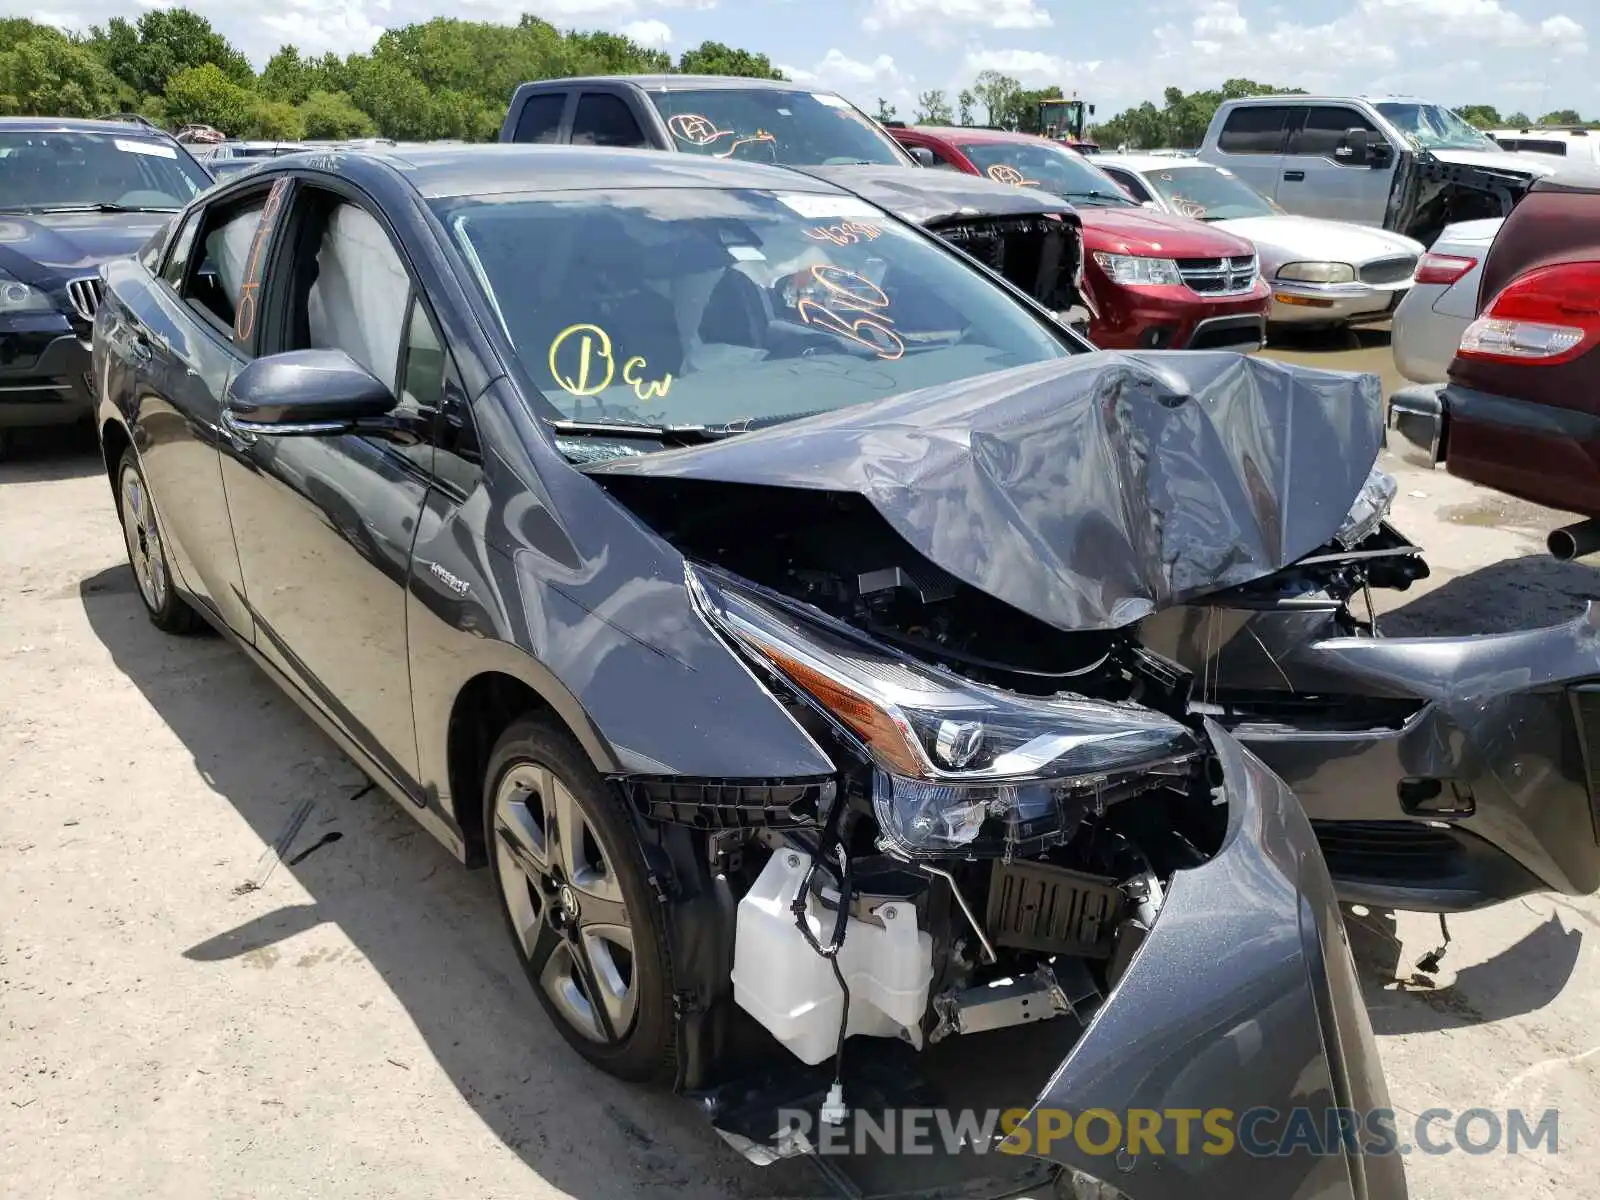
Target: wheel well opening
<point>483,710</point>
<point>114,441</point>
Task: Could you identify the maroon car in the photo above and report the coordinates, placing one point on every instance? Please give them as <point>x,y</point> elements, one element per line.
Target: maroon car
<point>1521,410</point>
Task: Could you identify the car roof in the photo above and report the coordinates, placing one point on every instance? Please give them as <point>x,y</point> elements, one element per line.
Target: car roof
<point>82,125</point>
<point>1294,98</point>
<point>438,172</point>
<point>1151,162</point>
<point>971,133</point>
<point>683,83</point>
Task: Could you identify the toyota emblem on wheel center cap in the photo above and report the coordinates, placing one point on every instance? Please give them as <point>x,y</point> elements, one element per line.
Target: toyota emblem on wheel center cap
<point>569,900</point>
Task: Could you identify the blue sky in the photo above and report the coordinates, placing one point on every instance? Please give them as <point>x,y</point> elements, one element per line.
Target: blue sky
<point>1532,55</point>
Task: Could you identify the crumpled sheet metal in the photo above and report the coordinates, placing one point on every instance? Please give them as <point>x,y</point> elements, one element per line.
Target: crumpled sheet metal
<point>1091,491</point>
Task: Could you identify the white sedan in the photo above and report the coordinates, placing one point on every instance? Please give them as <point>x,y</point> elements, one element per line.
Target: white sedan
<point>1321,272</point>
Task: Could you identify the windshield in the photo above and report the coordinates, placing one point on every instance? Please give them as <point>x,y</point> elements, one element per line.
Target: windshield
<point>1208,193</point>
<point>41,172</point>
<point>1045,165</point>
<point>689,306</point>
<point>775,126</point>
<point>1434,127</point>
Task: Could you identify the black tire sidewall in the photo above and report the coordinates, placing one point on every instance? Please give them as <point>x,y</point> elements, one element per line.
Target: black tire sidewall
<point>648,1053</point>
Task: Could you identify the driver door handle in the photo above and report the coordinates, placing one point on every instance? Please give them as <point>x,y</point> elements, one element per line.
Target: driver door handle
<point>1294,176</point>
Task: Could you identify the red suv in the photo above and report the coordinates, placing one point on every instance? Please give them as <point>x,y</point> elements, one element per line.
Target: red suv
<point>1157,282</point>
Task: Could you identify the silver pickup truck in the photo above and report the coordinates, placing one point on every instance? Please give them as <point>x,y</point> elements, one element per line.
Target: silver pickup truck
<point>1392,161</point>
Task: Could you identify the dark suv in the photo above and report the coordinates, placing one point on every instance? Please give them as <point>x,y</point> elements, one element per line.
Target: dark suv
<point>72,195</point>
<point>1029,237</point>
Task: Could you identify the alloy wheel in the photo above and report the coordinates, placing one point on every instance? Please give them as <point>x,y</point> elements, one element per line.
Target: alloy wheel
<point>144,541</point>
<point>561,889</point>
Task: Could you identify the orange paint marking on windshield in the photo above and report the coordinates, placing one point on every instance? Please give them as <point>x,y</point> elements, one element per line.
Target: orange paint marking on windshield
<point>854,294</point>
<point>1006,173</point>
<point>701,131</point>
<point>845,233</point>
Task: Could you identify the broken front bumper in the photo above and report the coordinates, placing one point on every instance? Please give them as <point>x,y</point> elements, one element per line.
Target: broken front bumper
<point>1243,1000</point>
<point>1441,774</point>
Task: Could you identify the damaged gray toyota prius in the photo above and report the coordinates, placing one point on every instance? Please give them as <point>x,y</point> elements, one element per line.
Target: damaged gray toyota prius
<point>817,640</point>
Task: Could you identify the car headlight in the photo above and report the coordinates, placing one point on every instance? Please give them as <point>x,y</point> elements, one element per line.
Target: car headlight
<point>950,756</point>
<point>19,297</point>
<point>1317,272</point>
<point>1368,512</point>
<point>1133,270</point>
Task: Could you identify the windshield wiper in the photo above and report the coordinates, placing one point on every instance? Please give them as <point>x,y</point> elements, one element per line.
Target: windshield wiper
<point>1094,196</point>
<point>683,434</point>
<point>687,435</point>
<point>101,206</point>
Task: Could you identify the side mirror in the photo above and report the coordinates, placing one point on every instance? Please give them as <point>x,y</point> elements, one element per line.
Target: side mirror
<point>1353,147</point>
<point>1380,154</point>
<point>923,155</point>
<point>305,392</point>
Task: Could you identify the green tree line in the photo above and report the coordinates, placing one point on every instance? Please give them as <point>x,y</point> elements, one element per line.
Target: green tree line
<point>998,100</point>
<point>443,78</point>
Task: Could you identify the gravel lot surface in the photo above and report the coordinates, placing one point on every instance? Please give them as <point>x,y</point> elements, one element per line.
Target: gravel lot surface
<point>185,1014</point>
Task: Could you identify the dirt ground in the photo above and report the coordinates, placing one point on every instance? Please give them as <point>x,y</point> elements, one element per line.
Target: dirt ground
<point>227,970</point>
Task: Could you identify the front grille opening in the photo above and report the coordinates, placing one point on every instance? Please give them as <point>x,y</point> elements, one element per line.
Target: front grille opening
<point>1391,850</point>
<point>1389,270</point>
<point>1219,276</point>
<point>85,295</point>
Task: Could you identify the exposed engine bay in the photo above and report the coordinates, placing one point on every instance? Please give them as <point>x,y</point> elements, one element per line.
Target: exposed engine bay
<point>917,900</point>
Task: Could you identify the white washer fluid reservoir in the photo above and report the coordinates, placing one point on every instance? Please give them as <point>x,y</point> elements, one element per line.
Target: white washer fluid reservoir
<point>790,988</point>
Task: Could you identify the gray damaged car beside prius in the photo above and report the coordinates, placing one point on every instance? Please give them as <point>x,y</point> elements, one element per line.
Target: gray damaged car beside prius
<point>1396,162</point>
<point>817,640</point>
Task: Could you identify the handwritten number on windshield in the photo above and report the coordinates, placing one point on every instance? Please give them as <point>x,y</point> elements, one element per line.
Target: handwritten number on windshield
<point>851,295</point>
<point>845,233</point>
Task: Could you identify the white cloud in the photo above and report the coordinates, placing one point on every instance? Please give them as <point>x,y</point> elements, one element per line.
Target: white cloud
<point>860,81</point>
<point>1029,66</point>
<point>937,15</point>
<point>655,34</point>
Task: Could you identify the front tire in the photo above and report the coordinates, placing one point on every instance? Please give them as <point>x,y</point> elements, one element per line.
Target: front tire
<point>168,611</point>
<point>576,896</point>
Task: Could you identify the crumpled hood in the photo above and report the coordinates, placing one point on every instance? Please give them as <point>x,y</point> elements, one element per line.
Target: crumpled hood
<point>47,248</point>
<point>1091,491</point>
<point>926,197</point>
<point>1490,160</point>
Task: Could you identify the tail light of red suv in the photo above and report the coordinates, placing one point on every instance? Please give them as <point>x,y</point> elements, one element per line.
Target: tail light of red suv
<point>1548,316</point>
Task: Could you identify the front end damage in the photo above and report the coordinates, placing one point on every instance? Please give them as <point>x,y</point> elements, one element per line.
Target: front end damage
<point>1430,191</point>
<point>1034,831</point>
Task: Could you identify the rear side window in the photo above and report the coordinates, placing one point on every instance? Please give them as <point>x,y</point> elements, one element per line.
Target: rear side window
<point>1535,146</point>
<point>540,119</point>
<point>1254,129</point>
<point>1325,130</point>
<point>604,119</point>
